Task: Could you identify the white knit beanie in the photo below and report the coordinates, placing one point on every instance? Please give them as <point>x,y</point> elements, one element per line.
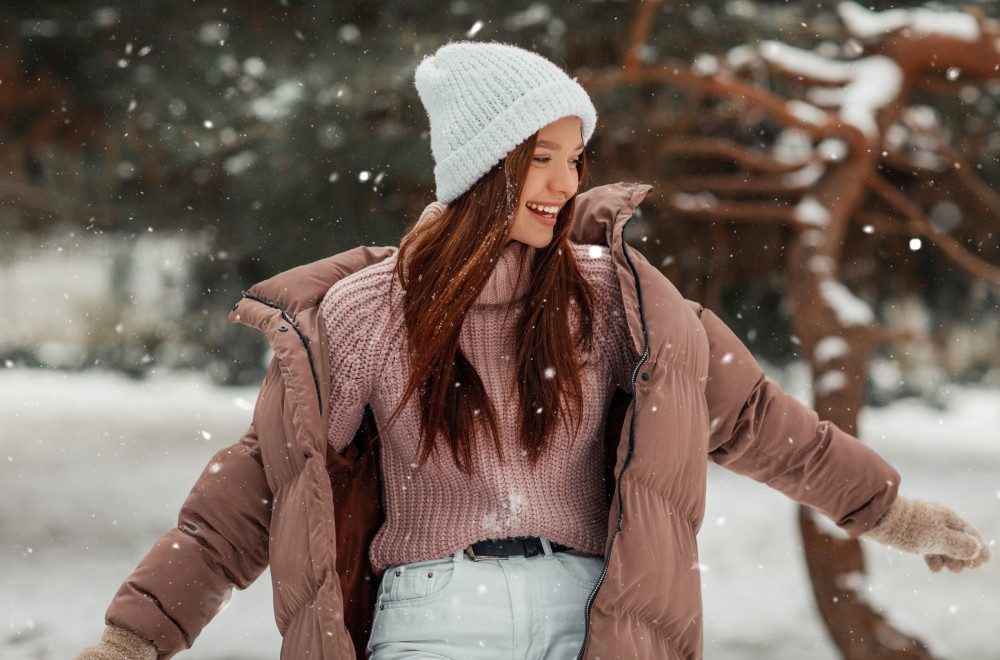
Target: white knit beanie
<point>484,99</point>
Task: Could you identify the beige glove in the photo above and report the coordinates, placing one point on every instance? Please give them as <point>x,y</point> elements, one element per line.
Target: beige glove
<point>933,530</point>
<point>119,644</point>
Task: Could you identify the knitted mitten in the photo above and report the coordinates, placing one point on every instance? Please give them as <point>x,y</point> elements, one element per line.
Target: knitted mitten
<point>933,530</point>
<point>119,644</point>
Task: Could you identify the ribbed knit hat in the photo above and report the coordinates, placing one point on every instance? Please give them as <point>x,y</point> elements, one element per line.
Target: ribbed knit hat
<point>484,99</point>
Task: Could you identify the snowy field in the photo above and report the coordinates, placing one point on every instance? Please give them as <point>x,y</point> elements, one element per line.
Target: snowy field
<point>94,466</point>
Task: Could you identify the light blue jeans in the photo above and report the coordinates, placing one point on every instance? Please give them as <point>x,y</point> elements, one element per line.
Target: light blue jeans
<point>457,608</point>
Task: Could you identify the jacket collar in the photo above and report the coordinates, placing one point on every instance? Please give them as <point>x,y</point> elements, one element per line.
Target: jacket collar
<point>602,211</point>
<point>303,288</point>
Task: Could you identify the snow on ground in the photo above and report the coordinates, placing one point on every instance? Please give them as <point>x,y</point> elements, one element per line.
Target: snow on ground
<point>94,466</point>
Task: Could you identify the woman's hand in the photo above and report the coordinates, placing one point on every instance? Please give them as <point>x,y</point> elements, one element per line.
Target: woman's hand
<point>119,644</point>
<point>942,536</point>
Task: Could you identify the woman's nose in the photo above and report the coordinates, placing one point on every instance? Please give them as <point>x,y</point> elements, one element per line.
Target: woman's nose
<point>565,180</point>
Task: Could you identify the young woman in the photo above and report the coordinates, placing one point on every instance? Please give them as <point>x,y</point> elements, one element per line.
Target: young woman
<point>545,404</point>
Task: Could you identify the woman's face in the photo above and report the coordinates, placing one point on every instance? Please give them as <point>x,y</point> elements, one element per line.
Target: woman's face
<point>552,180</point>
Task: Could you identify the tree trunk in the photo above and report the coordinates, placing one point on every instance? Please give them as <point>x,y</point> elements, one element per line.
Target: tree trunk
<point>835,566</point>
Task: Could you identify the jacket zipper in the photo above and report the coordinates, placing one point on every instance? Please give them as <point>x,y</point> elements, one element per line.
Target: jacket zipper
<point>302,338</point>
<point>631,443</point>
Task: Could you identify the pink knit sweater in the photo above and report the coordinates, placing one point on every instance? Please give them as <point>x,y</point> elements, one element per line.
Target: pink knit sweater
<point>434,510</point>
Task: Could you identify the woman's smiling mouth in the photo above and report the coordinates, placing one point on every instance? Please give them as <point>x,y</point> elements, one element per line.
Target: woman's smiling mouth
<point>547,212</point>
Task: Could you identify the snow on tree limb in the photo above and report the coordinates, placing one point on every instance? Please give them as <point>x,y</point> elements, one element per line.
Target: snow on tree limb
<point>868,84</point>
<point>866,24</point>
<point>850,310</point>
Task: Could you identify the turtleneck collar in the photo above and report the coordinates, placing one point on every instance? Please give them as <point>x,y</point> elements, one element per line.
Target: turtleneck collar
<point>511,275</point>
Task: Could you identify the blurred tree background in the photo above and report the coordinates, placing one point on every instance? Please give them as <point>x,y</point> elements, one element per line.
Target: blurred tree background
<point>158,158</point>
<point>276,132</point>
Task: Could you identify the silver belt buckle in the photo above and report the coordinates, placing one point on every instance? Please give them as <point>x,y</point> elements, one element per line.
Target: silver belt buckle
<point>474,557</point>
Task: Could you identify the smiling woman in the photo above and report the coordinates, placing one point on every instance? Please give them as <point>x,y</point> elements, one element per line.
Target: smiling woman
<point>544,410</point>
<point>440,264</point>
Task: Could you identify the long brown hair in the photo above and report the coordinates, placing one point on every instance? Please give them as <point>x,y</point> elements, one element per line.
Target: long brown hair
<point>442,263</point>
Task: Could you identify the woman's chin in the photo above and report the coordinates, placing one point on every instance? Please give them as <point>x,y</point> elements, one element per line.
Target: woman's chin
<point>535,240</point>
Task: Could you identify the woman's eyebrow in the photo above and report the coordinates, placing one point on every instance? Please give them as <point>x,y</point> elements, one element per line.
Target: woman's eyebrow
<point>546,144</point>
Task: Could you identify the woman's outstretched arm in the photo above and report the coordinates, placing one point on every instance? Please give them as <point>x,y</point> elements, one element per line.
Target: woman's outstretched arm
<point>761,431</point>
<point>221,541</point>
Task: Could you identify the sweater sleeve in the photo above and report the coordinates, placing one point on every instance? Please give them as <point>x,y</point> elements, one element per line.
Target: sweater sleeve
<point>761,431</point>
<point>355,312</point>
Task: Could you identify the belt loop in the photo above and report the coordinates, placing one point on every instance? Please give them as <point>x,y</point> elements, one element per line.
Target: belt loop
<point>546,546</point>
<point>460,555</point>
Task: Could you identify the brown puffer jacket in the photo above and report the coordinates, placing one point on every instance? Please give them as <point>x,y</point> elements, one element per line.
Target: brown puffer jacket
<point>280,496</point>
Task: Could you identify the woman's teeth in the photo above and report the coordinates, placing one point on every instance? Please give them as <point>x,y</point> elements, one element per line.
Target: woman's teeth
<point>544,210</point>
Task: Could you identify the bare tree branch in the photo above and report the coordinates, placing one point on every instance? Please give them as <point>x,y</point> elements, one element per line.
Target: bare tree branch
<point>921,226</point>
<point>726,150</point>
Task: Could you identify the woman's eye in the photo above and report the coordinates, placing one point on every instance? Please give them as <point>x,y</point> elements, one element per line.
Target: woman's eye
<point>542,159</point>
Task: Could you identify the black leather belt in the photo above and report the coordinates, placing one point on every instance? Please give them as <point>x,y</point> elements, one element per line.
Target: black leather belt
<point>517,546</point>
